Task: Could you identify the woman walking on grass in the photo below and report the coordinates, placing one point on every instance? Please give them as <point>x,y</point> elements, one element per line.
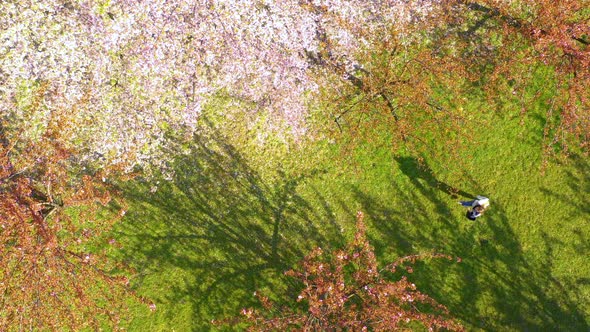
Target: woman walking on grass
<point>477,206</point>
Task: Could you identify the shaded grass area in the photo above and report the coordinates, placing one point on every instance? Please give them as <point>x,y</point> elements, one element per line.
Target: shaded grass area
<point>523,264</point>
<point>223,227</point>
<point>507,279</point>
<point>203,242</point>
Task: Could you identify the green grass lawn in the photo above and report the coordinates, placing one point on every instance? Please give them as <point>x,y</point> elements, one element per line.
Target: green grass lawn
<point>236,215</point>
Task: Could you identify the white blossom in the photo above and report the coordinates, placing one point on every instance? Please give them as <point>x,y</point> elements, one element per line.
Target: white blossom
<point>133,69</point>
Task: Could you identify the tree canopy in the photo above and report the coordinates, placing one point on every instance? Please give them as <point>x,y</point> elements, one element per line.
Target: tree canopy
<point>94,90</point>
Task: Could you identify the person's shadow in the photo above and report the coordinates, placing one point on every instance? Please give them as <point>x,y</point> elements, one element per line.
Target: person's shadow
<point>414,170</point>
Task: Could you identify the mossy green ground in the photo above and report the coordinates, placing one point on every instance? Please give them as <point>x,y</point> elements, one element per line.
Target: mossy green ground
<point>237,214</point>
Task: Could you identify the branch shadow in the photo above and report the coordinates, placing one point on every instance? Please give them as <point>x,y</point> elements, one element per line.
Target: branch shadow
<point>224,231</point>
<point>496,285</point>
<point>416,170</point>
<point>578,180</point>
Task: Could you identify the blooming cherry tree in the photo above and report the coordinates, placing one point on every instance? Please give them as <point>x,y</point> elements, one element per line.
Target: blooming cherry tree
<point>135,69</point>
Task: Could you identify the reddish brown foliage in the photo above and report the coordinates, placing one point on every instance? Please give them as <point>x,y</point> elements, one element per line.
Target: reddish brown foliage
<point>529,33</point>
<point>346,290</point>
<point>50,278</point>
<point>413,84</point>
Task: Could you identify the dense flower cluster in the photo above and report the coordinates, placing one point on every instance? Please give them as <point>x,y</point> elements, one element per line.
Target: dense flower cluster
<point>133,69</point>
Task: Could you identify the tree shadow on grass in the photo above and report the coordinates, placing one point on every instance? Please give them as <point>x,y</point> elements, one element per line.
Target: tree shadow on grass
<point>203,242</point>
<point>495,286</point>
<point>578,180</point>
<point>415,170</point>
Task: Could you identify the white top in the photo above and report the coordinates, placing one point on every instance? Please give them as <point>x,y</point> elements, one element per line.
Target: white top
<point>482,201</point>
